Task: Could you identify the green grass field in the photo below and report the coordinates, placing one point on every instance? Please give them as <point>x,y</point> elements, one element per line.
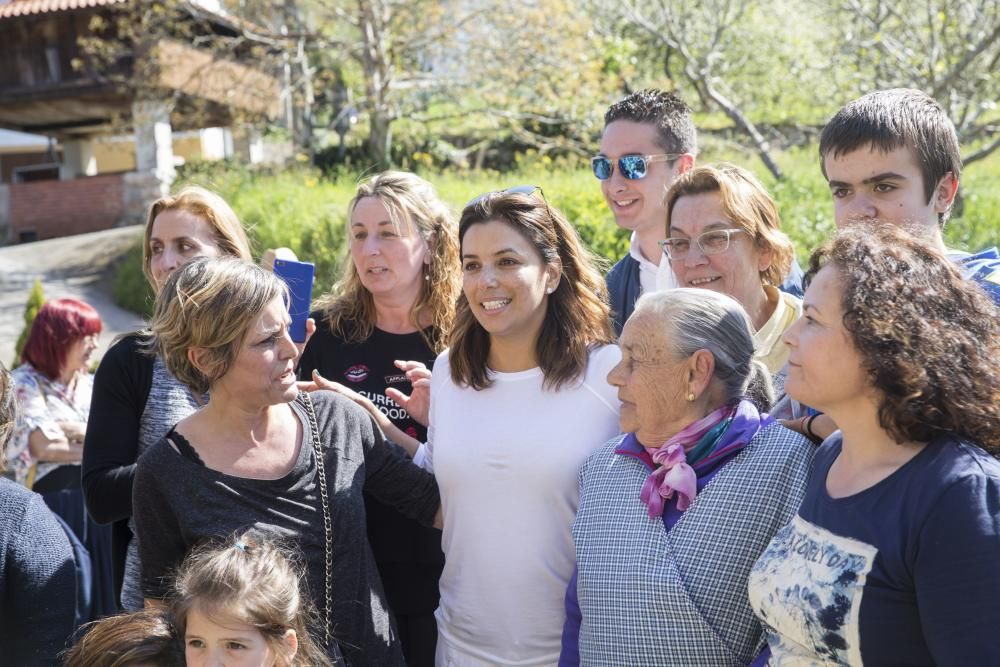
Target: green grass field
<point>303,210</point>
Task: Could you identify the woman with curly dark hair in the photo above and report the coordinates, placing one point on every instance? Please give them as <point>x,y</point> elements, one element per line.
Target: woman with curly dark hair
<point>892,558</point>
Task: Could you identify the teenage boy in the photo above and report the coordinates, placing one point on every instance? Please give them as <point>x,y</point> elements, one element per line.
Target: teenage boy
<point>893,155</point>
<point>648,141</point>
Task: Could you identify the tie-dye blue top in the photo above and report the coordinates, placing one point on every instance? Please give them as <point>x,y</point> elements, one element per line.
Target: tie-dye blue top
<point>904,572</point>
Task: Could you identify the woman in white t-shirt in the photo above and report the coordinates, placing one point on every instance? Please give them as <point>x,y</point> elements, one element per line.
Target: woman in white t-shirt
<point>518,402</point>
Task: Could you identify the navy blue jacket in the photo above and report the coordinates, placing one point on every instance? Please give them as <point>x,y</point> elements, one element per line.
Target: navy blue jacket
<point>624,288</point>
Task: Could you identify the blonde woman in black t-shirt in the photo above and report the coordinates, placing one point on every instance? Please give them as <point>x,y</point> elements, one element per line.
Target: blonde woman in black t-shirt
<point>378,332</point>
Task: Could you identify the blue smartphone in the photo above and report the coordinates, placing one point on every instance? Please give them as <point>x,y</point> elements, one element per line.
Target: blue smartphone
<point>299,278</point>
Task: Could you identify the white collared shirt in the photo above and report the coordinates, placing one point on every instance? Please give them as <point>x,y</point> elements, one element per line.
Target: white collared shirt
<point>652,277</point>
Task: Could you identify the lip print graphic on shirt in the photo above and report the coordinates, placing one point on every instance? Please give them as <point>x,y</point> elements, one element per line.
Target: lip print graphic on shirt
<point>807,586</point>
<point>356,373</point>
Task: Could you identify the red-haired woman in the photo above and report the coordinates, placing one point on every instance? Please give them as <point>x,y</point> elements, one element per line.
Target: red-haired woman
<point>53,386</point>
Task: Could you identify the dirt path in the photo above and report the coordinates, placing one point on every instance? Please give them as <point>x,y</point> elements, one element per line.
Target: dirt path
<point>73,266</point>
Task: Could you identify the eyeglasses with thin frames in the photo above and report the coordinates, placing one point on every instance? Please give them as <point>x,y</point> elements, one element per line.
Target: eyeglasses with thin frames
<point>632,167</point>
<point>714,242</point>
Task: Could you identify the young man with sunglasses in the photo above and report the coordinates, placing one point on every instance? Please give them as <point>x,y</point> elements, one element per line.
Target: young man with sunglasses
<point>649,140</point>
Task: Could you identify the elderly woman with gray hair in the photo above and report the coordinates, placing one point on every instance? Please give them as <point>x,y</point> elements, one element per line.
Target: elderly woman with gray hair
<point>674,513</point>
<point>261,454</point>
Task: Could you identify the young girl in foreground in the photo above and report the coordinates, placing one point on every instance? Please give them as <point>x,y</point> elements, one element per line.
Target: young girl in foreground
<point>240,603</point>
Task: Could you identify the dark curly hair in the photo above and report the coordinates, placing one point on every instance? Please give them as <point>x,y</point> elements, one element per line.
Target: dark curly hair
<point>930,339</point>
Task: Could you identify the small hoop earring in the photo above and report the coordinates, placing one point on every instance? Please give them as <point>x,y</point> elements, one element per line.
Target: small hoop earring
<point>690,397</point>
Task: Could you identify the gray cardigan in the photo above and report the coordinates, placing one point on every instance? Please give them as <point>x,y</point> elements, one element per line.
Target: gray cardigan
<point>38,580</point>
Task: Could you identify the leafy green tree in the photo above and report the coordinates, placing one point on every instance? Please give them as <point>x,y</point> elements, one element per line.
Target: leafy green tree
<point>950,50</point>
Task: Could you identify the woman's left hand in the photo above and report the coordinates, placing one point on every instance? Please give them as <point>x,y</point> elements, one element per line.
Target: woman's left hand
<point>819,428</point>
<point>418,403</point>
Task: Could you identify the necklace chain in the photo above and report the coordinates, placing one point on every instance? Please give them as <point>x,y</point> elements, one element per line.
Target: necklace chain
<point>324,502</point>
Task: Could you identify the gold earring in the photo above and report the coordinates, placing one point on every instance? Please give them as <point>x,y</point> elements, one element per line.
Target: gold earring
<point>690,397</point>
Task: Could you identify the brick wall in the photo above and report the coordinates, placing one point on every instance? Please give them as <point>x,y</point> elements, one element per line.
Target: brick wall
<point>61,208</point>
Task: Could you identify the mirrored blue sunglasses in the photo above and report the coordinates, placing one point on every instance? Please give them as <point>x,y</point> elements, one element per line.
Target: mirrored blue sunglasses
<point>632,167</point>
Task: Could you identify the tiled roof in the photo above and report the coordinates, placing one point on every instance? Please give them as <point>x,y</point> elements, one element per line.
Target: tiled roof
<point>30,7</point>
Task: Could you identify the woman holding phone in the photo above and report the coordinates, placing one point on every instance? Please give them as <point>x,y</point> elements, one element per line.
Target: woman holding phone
<point>377,332</point>
<point>135,399</point>
<point>518,402</point>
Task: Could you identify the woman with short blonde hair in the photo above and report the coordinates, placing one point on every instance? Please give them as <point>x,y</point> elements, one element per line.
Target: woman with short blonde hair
<point>261,454</point>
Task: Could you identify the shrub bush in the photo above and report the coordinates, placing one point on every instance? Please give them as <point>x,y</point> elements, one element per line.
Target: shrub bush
<point>36,299</point>
<point>304,210</point>
<point>130,289</point>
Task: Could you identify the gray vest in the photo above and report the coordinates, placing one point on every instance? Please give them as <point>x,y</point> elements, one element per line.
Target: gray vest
<point>649,597</point>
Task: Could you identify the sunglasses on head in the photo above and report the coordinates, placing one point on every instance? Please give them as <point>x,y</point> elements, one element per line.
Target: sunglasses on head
<point>516,190</point>
<point>632,167</point>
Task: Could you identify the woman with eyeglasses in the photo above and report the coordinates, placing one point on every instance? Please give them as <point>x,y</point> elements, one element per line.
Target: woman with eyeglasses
<point>378,332</point>
<point>518,402</point>
<point>724,234</point>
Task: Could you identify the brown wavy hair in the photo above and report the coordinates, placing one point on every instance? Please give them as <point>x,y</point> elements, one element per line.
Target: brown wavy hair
<point>746,202</point>
<point>577,316</point>
<point>213,209</point>
<point>929,339</point>
<point>145,637</point>
<point>413,207</point>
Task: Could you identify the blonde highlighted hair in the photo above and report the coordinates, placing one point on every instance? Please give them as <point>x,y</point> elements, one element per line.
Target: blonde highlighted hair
<point>414,208</point>
<point>229,234</point>
<point>747,204</point>
<point>209,303</point>
<point>255,580</point>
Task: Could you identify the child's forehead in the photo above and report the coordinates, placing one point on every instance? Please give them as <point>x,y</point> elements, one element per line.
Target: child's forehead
<point>225,618</point>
